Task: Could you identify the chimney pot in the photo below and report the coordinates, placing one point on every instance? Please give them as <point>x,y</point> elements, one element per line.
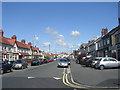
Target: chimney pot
<point>23,41</point>
<point>1,33</point>
<point>14,37</point>
<point>30,43</point>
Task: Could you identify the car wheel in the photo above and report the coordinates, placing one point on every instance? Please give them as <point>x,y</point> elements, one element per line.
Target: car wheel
<point>101,67</point>
<point>11,70</point>
<point>96,67</point>
<point>22,67</point>
<point>1,72</point>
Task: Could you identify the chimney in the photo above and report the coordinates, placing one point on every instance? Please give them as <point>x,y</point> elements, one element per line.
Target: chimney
<point>14,37</point>
<point>1,33</point>
<point>30,43</point>
<point>104,31</point>
<point>23,41</point>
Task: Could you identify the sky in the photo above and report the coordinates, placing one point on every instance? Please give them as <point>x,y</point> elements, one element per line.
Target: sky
<point>63,25</point>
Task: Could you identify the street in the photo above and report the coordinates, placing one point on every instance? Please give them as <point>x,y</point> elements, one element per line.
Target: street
<point>49,76</point>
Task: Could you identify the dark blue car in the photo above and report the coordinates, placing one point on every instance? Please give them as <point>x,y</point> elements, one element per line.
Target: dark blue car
<point>5,66</point>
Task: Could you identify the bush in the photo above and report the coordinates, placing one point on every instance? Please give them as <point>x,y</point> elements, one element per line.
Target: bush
<point>47,57</point>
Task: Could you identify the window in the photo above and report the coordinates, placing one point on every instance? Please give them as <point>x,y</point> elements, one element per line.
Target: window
<point>105,60</point>
<point>108,41</point>
<point>112,59</point>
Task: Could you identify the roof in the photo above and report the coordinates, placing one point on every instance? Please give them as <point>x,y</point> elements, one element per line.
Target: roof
<point>35,48</point>
<point>6,40</point>
<point>22,45</point>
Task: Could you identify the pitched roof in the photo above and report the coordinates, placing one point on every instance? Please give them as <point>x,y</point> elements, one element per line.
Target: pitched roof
<point>22,45</point>
<point>35,48</point>
<point>6,40</point>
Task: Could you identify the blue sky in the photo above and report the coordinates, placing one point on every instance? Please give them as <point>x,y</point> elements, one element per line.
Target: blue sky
<point>54,22</point>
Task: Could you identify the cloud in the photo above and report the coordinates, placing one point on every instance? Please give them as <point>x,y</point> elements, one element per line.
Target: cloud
<point>60,40</point>
<point>51,31</point>
<point>75,34</point>
<point>46,44</point>
<point>70,46</point>
<point>36,39</point>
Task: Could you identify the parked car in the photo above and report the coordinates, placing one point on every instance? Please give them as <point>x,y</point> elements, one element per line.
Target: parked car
<point>20,64</point>
<point>94,61</point>
<point>45,60</point>
<point>107,62</point>
<point>49,60</point>
<point>41,61</point>
<point>35,62</point>
<point>12,62</point>
<point>83,61</point>
<point>5,66</point>
<point>62,63</point>
<point>88,61</point>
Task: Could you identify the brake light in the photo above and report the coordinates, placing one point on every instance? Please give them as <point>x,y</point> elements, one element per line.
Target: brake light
<point>98,62</point>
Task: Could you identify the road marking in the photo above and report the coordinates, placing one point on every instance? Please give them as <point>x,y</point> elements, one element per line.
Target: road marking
<point>66,82</point>
<point>56,78</point>
<point>71,83</point>
<point>30,77</point>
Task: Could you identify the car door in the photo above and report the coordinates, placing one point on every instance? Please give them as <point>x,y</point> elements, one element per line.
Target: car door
<point>113,62</point>
<point>106,62</point>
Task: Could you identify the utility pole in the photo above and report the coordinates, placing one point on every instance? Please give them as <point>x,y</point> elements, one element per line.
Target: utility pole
<point>49,48</point>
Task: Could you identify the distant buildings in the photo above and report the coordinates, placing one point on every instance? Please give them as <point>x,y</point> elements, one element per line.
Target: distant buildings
<point>108,45</point>
<point>11,49</point>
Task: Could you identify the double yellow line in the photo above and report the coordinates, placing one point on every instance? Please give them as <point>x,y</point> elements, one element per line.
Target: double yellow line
<point>66,82</point>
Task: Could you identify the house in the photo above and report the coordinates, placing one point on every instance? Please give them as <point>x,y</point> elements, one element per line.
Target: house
<point>11,49</point>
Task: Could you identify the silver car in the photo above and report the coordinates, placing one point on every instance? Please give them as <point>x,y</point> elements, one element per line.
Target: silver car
<point>20,64</point>
<point>107,62</point>
<point>62,63</point>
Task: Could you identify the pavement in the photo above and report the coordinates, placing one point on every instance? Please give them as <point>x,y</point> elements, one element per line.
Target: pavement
<point>48,76</point>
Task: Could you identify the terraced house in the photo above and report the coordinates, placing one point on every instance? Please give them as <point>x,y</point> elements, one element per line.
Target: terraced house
<point>108,45</point>
<point>11,49</point>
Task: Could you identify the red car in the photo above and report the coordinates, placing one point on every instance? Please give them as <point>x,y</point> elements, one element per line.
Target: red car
<point>49,60</point>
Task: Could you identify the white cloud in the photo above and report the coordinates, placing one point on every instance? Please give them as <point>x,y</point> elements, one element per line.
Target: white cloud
<point>75,34</point>
<point>50,31</point>
<point>70,46</point>
<point>46,44</point>
<point>60,40</point>
<point>79,45</point>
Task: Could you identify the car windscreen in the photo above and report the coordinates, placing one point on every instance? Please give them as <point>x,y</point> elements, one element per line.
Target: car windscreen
<point>98,59</point>
<point>63,60</point>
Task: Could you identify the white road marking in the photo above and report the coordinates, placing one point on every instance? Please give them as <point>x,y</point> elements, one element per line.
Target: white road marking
<point>30,77</point>
<point>56,78</point>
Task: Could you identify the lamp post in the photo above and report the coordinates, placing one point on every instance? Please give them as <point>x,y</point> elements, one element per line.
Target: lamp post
<point>49,48</point>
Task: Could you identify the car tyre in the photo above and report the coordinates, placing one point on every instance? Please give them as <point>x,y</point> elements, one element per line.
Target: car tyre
<point>96,66</point>
<point>11,70</point>
<point>22,67</point>
<point>1,72</point>
<point>101,67</point>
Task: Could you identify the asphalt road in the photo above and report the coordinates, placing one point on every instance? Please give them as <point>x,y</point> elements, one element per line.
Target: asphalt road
<point>48,76</point>
<point>43,76</point>
<point>94,77</point>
